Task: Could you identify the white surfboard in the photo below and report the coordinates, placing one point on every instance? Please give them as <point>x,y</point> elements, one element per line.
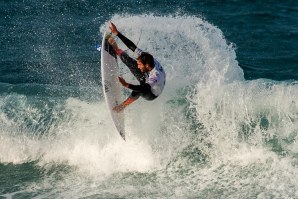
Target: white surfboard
<point>111,85</point>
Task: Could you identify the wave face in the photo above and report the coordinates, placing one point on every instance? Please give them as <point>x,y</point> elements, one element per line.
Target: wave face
<point>211,134</point>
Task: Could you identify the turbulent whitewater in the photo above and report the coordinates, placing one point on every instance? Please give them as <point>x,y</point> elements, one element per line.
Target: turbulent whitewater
<point>211,134</point>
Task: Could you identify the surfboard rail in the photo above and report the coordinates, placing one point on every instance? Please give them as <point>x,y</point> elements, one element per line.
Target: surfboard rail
<point>111,85</point>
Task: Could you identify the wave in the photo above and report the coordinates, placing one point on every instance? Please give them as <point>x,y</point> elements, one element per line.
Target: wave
<point>210,127</point>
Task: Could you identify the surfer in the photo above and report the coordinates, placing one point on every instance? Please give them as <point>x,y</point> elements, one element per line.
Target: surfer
<point>145,68</point>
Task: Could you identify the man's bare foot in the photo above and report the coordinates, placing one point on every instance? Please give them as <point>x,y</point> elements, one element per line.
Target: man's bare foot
<point>119,108</point>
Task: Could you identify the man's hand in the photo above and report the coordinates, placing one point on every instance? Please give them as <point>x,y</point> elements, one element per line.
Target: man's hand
<point>113,28</point>
<point>123,82</point>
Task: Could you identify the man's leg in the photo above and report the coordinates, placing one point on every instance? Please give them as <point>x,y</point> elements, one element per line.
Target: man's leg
<point>133,67</point>
<point>133,97</point>
<point>128,61</point>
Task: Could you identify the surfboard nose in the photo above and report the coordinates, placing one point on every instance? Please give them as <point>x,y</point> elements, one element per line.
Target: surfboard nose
<point>122,135</point>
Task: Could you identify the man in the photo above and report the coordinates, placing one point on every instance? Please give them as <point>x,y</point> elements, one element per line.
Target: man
<point>145,68</point>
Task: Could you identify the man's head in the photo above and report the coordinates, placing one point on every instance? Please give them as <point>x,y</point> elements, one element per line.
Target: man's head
<point>145,62</point>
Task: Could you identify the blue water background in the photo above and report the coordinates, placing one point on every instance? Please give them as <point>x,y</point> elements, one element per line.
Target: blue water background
<point>51,98</point>
<point>52,42</point>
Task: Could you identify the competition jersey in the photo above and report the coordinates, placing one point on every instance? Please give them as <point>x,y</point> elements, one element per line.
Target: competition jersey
<point>156,77</point>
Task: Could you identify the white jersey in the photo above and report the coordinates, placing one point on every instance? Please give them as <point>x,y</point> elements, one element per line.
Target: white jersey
<point>156,77</point>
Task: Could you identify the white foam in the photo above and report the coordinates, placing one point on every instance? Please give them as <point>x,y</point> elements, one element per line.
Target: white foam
<point>207,106</point>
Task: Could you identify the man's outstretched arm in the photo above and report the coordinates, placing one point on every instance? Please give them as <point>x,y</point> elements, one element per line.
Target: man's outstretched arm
<point>128,101</point>
<point>125,40</point>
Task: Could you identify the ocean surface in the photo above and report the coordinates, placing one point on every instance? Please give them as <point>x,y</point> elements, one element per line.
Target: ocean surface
<point>226,125</point>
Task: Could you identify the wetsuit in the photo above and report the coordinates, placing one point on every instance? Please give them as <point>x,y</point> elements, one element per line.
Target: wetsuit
<point>152,83</point>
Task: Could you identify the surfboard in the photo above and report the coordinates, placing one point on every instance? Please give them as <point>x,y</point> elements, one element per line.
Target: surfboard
<point>111,85</point>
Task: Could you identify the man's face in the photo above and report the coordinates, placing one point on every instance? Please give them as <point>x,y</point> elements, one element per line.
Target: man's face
<point>141,66</point>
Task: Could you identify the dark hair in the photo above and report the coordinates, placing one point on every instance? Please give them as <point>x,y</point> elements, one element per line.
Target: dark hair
<point>146,58</point>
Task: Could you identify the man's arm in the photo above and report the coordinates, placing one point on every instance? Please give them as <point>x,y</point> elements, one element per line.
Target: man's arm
<point>125,40</point>
<point>143,88</point>
<point>128,101</point>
